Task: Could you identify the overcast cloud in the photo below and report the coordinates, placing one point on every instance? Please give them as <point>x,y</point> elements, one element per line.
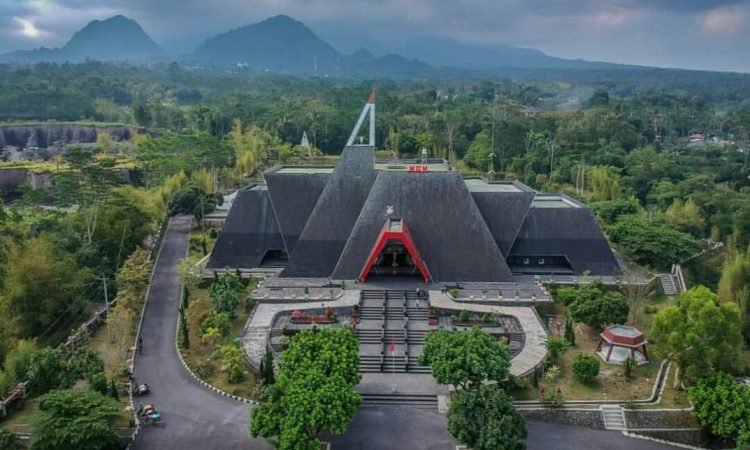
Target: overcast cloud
<point>702,34</point>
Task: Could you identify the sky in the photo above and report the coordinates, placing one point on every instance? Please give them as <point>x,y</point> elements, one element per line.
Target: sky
<point>695,34</point>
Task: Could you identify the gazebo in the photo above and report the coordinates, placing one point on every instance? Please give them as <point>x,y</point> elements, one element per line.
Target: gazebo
<point>617,343</point>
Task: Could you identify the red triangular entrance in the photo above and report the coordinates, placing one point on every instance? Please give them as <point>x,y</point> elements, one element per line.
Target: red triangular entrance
<point>395,230</point>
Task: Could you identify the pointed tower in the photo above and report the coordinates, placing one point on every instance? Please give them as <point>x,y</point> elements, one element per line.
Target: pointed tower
<point>369,108</point>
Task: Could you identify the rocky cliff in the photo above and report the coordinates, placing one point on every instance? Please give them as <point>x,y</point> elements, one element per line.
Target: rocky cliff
<point>51,135</point>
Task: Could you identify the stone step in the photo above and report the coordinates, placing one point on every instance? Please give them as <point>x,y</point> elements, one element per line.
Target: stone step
<point>400,400</point>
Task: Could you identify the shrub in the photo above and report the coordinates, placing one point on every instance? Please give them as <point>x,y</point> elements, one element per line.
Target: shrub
<point>9,441</point>
<point>627,369</point>
<point>486,318</point>
<point>453,293</point>
<point>556,347</point>
<point>234,363</point>
<point>554,399</point>
<point>552,374</point>
<point>463,316</point>
<point>586,367</point>
<point>217,320</point>
<point>213,234</point>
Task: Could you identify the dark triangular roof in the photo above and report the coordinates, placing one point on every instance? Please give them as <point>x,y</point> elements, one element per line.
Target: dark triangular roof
<point>325,234</point>
<point>248,233</point>
<point>446,225</point>
<point>504,213</point>
<point>294,196</point>
<point>569,231</point>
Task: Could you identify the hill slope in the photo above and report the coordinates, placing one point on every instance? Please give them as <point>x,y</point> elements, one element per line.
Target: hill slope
<point>117,38</point>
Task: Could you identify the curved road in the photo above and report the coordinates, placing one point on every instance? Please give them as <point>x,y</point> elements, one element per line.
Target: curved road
<point>196,418</point>
<point>193,417</point>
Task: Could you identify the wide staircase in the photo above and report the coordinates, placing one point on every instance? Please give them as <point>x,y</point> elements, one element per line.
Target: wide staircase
<point>391,334</point>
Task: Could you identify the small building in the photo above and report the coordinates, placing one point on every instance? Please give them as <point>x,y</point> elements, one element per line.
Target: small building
<point>620,342</point>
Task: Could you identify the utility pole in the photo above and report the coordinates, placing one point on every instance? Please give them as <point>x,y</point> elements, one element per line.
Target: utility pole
<point>106,303</point>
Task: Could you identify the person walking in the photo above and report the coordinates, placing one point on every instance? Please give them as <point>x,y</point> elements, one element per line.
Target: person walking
<point>418,295</point>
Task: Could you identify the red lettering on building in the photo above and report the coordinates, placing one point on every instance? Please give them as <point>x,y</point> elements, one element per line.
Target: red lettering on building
<point>418,168</point>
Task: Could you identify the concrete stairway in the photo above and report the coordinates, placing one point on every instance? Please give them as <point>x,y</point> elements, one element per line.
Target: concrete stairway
<point>668,284</point>
<point>614,417</point>
<point>421,401</point>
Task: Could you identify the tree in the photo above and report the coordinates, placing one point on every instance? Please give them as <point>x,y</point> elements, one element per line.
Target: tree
<point>75,419</point>
<point>702,334</point>
<point>485,419</point>
<point>217,320</point>
<point>210,336</point>
<point>234,362</point>
<point>651,242</point>
<point>83,362</point>
<point>556,347</point>
<point>225,294</point>
<point>314,390</point>
<point>570,334</point>
<point>596,308</point>
<point>686,216</point>
<point>266,368</point>
<point>42,283</point>
<point>586,367</point>
<point>466,358</point>
<point>17,362</point>
<point>722,405</point>
<point>48,370</point>
<point>193,200</point>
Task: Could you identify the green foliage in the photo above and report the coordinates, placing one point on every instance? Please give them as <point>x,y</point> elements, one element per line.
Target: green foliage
<point>686,217</point>
<point>234,363</point>
<point>554,398</point>
<point>586,367</point>
<point>266,368</point>
<point>314,391</point>
<point>611,210</point>
<point>17,363</point>
<point>466,358</point>
<point>42,283</point>
<point>734,286</point>
<point>48,370</point>
<point>463,316</point>
<point>9,440</point>
<point>485,419</point>
<point>595,307</point>
<point>75,419</point>
<point>651,242</point>
<point>217,320</point>
<point>453,293</point>
<point>83,363</point>
<point>552,374</point>
<point>703,334</point>
<point>173,153</point>
<point>191,199</point>
<point>570,334</point>
<point>225,294</point>
<point>722,405</point>
<point>556,347</point>
<point>627,369</point>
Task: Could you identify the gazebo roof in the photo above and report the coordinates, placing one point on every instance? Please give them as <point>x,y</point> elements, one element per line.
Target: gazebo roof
<point>624,336</point>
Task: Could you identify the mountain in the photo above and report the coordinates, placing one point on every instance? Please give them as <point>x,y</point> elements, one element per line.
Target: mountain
<point>117,38</point>
<point>283,44</point>
<point>278,43</point>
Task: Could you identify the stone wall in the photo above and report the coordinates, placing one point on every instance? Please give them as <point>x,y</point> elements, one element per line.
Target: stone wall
<point>643,418</point>
<point>575,417</point>
<point>696,438</point>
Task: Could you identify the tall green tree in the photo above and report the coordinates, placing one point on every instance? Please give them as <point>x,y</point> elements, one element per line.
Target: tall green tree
<point>41,284</point>
<point>465,359</point>
<point>314,391</point>
<point>723,406</point>
<point>485,419</point>
<point>225,294</point>
<point>703,334</point>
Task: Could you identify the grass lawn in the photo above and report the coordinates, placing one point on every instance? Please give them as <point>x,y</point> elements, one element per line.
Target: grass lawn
<point>610,384</point>
<point>206,360</point>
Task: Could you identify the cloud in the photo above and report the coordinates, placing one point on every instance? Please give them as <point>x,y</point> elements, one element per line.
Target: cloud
<point>724,21</point>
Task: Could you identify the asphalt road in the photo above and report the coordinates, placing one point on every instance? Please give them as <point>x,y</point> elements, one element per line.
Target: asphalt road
<point>196,418</point>
<point>192,416</point>
<point>414,429</point>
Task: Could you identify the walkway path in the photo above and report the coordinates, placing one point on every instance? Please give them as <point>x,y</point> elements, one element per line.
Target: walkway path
<point>534,350</point>
<point>193,417</point>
